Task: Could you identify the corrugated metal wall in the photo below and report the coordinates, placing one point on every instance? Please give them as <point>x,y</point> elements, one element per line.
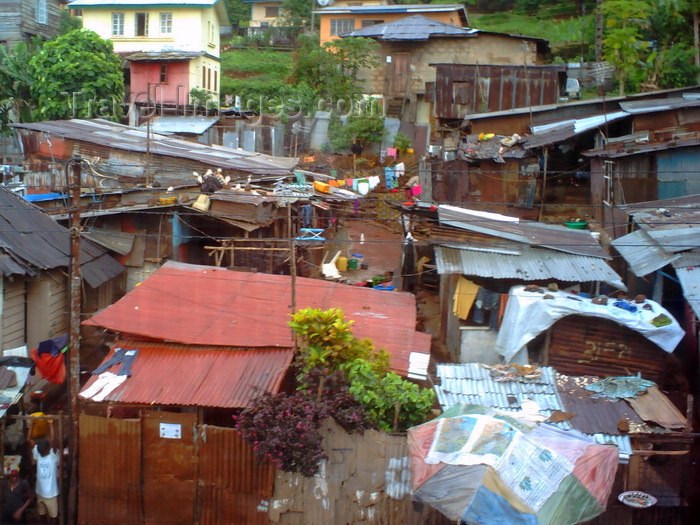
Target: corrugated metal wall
<point>462,90</point>
<point>110,471</point>
<point>677,172</point>
<point>587,346</point>
<point>13,334</point>
<point>119,477</point>
<point>234,486</point>
<point>365,480</point>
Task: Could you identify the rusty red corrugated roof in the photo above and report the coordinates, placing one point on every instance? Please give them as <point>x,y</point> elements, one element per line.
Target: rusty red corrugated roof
<point>175,374</point>
<point>208,305</point>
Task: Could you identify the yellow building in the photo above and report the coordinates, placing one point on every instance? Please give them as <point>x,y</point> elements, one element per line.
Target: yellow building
<point>345,16</point>
<point>264,14</point>
<point>171,46</point>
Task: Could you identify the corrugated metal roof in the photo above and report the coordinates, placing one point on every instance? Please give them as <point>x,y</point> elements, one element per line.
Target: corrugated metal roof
<point>128,3</point>
<point>208,305</point>
<point>560,131</point>
<point>12,394</point>
<point>677,238</point>
<point>118,136</point>
<point>122,4</point>
<point>642,253</point>
<point>531,264</point>
<point>551,236</point>
<point>472,383</point>
<point>592,412</point>
<point>416,27</point>
<point>668,234</point>
<point>398,8</point>
<point>636,107</point>
<point>196,125</point>
<point>32,241</point>
<point>170,374</point>
<point>688,273</point>
<point>616,151</point>
<point>163,55</point>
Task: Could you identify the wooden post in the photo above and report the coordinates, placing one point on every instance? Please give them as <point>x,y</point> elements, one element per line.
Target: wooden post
<point>61,466</point>
<point>397,411</point>
<point>74,335</point>
<point>544,183</point>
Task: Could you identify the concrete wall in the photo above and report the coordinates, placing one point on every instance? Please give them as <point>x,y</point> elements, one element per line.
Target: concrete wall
<point>192,29</point>
<point>366,479</point>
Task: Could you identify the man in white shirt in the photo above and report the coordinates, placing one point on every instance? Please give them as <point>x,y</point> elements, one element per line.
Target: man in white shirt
<point>45,455</point>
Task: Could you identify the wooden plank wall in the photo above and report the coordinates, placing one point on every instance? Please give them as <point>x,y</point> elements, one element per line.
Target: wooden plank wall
<point>13,314</point>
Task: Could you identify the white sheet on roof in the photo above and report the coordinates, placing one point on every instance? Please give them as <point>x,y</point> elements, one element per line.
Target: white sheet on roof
<point>527,315</point>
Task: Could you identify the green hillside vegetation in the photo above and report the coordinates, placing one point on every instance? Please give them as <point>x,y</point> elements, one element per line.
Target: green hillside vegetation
<point>254,72</point>
<point>564,35</point>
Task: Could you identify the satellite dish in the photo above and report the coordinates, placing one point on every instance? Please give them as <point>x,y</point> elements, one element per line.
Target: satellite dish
<point>324,3</point>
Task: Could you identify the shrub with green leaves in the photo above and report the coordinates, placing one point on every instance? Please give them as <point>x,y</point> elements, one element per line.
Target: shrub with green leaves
<point>77,75</point>
<point>339,377</point>
<point>327,345</point>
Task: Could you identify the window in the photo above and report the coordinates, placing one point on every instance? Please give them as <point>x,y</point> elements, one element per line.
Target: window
<point>216,78</point>
<point>141,24</point>
<point>369,23</point>
<point>166,23</point>
<point>163,74</point>
<point>117,24</point>
<point>41,13</point>
<point>204,77</point>
<point>272,12</point>
<point>342,25</point>
<point>211,33</point>
<point>208,78</point>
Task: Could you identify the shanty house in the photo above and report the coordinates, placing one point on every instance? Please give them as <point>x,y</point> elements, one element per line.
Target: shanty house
<point>651,435</point>
<point>480,255</point>
<point>337,20</point>
<point>661,253</point>
<point>36,254</point>
<point>202,342</point>
<point>171,47</point>
<point>139,197</point>
<point>23,19</point>
<point>537,162</point>
<point>410,47</point>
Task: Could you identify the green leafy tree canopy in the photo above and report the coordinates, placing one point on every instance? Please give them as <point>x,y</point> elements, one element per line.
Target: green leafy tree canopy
<point>15,82</point>
<point>77,75</point>
<point>623,45</point>
<point>328,346</point>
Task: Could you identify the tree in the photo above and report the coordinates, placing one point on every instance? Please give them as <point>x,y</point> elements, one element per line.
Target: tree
<point>332,70</point>
<point>623,46</point>
<point>296,13</point>
<point>326,346</point>
<point>238,12</point>
<point>77,75</point>
<point>339,377</point>
<point>15,84</point>
<point>673,61</point>
<point>69,22</point>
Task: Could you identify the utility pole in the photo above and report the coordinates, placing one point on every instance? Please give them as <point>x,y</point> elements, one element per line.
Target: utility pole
<point>74,166</point>
<point>293,257</point>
